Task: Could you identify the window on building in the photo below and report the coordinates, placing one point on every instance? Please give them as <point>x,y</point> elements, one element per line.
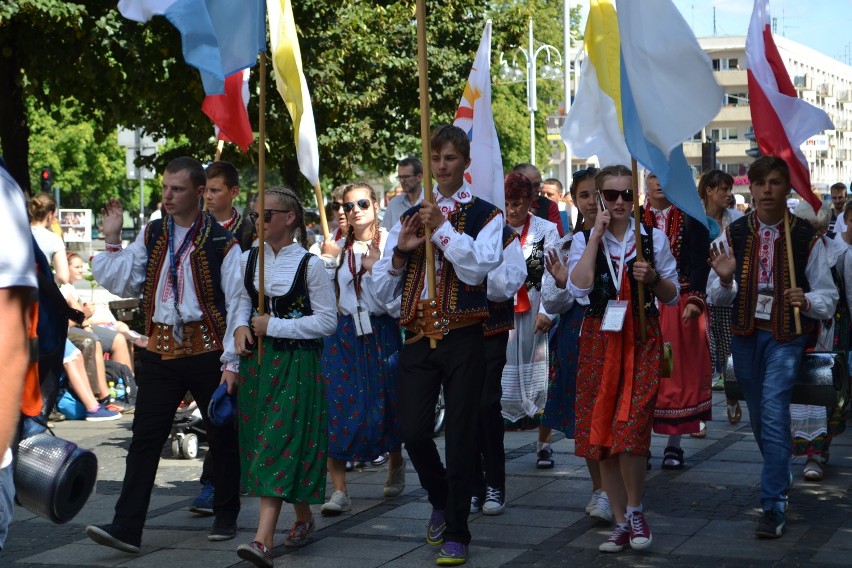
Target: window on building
<point>716,65</point>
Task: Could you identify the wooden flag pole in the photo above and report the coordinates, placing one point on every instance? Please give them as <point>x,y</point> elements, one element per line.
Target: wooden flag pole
<point>423,74</point>
<point>261,197</point>
<point>797,320</point>
<point>321,209</point>
<point>220,145</point>
<point>637,217</point>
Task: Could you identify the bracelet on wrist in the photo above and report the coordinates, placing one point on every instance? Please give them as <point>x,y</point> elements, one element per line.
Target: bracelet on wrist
<point>656,280</point>
<point>401,253</point>
<point>724,285</point>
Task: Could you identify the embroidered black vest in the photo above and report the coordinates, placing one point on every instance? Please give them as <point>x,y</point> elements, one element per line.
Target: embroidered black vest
<point>501,315</point>
<point>294,304</point>
<point>689,241</point>
<point>603,289</point>
<point>212,243</point>
<point>244,231</point>
<point>745,240</point>
<point>455,299</point>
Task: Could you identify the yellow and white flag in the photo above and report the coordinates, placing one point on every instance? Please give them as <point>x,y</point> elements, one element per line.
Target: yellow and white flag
<point>290,80</point>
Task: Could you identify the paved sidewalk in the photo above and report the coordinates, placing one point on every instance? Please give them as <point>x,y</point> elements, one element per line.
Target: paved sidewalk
<point>703,515</point>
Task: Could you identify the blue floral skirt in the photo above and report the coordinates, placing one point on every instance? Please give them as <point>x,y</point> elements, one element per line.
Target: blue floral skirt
<point>562,388</point>
<point>361,377</point>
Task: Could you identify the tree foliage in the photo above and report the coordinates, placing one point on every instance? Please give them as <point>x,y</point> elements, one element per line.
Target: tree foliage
<point>86,70</point>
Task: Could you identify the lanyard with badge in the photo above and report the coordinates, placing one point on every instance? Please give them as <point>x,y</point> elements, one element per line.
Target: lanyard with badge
<point>174,260</point>
<point>616,310</point>
<point>362,317</point>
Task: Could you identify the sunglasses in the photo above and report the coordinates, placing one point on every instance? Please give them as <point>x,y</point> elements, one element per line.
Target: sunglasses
<point>267,215</point>
<point>613,194</point>
<point>583,173</point>
<point>336,205</point>
<point>363,204</point>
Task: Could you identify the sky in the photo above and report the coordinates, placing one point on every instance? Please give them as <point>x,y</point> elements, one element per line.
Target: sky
<point>823,25</point>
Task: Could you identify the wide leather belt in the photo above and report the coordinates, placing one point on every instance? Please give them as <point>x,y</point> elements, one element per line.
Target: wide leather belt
<point>428,323</point>
<point>764,325</point>
<point>197,339</point>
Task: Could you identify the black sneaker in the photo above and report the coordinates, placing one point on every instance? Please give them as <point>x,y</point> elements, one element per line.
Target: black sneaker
<point>544,459</point>
<point>772,525</point>
<point>222,530</point>
<point>114,536</point>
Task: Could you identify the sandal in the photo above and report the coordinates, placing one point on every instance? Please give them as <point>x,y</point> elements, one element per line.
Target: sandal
<point>735,413</point>
<point>299,534</point>
<point>256,553</point>
<point>702,432</point>
<point>672,458</point>
<point>812,471</point>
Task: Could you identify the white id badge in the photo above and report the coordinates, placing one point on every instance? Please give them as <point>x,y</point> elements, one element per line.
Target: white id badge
<point>613,319</point>
<point>362,323</point>
<point>763,311</point>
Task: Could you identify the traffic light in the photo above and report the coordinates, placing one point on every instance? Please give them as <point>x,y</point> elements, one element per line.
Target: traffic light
<point>708,156</point>
<point>46,180</point>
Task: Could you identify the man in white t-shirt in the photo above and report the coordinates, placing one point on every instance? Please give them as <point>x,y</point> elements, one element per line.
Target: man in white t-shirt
<point>17,288</point>
<point>409,173</point>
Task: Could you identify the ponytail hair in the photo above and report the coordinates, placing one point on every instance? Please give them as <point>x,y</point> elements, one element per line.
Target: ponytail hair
<point>41,206</point>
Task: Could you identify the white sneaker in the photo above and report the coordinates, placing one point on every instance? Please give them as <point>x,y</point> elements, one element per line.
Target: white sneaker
<point>593,501</point>
<point>339,503</point>
<point>602,511</point>
<point>495,501</point>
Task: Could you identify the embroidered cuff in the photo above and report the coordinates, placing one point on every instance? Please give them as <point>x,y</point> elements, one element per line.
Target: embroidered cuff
<point>233,366</point>
<point>444,236</point>
<point>113,247</point>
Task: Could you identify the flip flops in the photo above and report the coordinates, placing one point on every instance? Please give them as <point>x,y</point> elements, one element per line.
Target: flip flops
<point>735,413</point>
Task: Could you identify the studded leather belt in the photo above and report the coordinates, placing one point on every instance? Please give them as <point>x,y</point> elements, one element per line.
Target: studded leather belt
<point>197,339</point>
<point>428,323</point>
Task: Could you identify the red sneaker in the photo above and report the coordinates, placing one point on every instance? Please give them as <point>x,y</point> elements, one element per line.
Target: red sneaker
<point>616,542</point>
<point>640,532</point>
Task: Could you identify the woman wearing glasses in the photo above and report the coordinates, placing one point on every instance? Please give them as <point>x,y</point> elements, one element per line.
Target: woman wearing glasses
<point>618,375</point>
<point>557,299</point>
<point>281,399</point>
<point>335,212</point>
<point>360,360</point>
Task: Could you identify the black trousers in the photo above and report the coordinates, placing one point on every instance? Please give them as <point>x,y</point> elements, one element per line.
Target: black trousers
<point>490,459</point>
<point>162,385</point>
<point>457,363</point>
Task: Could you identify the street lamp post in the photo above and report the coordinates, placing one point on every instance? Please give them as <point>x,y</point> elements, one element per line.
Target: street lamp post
<point>548,71</point>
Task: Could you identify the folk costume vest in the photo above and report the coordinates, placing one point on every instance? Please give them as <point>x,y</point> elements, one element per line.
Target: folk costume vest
<point>603,289</point>
<point>455,299</point>
<point>501,315</point>
<point>294,304</point>
<point>212,244</point>
<point>745,240</point>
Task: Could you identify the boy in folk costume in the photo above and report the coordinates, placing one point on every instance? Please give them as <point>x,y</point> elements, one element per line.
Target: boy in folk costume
<point>188,269</point>
<point>466,233</point>
<point>752,273</point>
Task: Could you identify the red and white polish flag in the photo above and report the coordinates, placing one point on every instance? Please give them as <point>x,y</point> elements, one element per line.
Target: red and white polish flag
<point>229,112</point>
<point>782,121</point>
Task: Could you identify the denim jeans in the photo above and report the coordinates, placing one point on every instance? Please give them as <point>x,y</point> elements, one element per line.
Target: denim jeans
<point>7,500</point>
<point>766,371</point>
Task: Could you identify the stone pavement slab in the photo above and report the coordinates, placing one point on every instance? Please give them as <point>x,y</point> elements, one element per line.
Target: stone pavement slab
<point>702,516</point>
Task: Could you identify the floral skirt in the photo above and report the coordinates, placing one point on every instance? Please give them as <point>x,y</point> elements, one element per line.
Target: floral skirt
<point>282,425</point>
<point>628,429</point>
<point>685,398</point>
<point>562,390</point>
<point>361,377</point>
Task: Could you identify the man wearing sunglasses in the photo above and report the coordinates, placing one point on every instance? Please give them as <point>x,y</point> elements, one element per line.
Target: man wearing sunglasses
<point>187,269</point>
<point>409,173</point>
<point>541,206</point>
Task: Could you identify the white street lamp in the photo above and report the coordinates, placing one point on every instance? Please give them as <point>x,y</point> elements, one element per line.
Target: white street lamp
<point>551,70</point>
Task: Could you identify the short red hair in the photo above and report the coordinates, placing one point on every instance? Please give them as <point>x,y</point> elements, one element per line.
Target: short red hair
<point>517,186</point>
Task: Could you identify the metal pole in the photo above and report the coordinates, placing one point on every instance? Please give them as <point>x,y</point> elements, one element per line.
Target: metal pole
<point>138,141</point>
<point>566,67</point>
<point>531,95</point>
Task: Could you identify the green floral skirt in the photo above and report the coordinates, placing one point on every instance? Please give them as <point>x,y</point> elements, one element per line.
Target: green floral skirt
<point>282,425</point>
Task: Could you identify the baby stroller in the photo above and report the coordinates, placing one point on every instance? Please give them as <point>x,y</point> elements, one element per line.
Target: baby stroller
<point>187,431</point>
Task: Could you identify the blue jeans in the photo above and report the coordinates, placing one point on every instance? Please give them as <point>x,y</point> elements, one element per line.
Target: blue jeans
<point>7,500</point>
<point>766,371</point>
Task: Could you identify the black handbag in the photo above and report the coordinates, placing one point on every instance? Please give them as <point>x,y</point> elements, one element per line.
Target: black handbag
<point>53,477</point>
<point>823,380</point>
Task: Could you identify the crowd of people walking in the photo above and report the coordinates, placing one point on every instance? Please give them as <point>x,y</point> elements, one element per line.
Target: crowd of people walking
<point>565,315</point>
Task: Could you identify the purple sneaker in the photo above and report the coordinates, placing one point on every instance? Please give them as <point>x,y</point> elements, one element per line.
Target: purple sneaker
<point>436,528</point>
<point>452,554</point>
<point>616,542</point>
<point>102,414</point>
